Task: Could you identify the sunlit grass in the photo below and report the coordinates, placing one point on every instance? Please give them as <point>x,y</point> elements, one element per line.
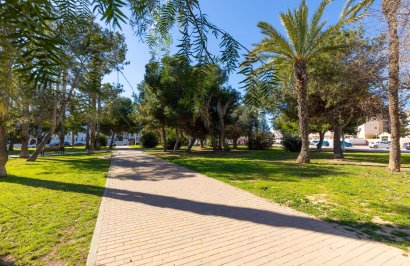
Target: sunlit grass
<point>359,192</point>
<point>49,209</point>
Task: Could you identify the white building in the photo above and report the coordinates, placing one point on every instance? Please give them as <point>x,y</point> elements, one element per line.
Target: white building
<point>373,128</point>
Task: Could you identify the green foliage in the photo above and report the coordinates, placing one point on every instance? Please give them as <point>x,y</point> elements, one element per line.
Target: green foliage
<point>291,143</point>
<point>261,141</point>
<point>149,140</point>
<point>119,117</point>
<point>103,140</point>
<point>172,139</point>
<point>274,58</point>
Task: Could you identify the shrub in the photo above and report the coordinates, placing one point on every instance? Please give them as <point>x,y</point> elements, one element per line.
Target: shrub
<point>261,141</point>
<point>149,140</point>
<point>291,143</point>
<point>103,140</point>
<point>171,139</point>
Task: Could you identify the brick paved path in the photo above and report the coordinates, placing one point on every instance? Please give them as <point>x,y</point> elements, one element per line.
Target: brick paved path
<point>157,213</point>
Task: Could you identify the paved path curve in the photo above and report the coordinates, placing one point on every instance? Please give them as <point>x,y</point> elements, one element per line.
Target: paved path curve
<point>157,213</point>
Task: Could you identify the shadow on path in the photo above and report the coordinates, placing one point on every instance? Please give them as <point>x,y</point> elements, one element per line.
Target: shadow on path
<point>258,216</point>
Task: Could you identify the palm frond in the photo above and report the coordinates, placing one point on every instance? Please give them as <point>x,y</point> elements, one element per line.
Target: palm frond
<point>355,9</point>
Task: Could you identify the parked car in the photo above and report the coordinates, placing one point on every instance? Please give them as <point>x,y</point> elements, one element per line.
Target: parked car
<point>56,144</point>
<point>406,146</point>
<point>379,144</point>
<point>316,142</point>
<point>346,144</point>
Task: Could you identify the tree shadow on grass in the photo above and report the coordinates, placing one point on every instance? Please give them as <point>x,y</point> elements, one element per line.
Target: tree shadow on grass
<point>254,215</point>
<point>78,162</point>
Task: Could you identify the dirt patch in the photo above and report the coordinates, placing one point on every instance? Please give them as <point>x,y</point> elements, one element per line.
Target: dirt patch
<point>7,260</point>
<point>317,198</point>
<point>380,221</point>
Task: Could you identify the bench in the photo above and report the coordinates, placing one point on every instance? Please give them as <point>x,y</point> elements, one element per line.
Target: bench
<point>60,149</point>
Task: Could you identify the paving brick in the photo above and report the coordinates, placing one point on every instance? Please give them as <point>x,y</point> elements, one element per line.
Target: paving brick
<point>158,213</point>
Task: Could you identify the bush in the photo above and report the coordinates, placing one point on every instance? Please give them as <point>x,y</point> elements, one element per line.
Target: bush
<point>261,141</point>
<point>171,139</point>
<point>103,140</point>
<point>291,143</point>
<point>149,140</point>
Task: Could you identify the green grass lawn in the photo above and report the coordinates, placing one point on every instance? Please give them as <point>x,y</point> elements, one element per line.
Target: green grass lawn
<point>358,193</point>
<point>49,209</point>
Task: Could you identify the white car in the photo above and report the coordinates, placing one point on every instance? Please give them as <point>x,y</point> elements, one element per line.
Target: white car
<point>379,144</point>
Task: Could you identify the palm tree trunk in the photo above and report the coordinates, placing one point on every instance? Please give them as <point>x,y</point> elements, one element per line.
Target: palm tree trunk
<point>301,78</point>
<point>390,8</point>
<point>337,144</point>
<point>3,150</point>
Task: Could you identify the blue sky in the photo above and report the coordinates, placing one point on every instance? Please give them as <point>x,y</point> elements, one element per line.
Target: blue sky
<point>237,17</point>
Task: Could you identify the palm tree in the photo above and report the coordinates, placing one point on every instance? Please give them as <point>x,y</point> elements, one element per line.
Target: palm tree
<point>304,41</point>
<point>389,9</point>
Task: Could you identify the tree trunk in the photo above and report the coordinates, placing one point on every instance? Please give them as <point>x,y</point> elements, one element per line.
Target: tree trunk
<point>222,109</point>
<point>91,148</point>
<point>93,124</point>
<point>47,137</point>
<point>112,140</point>
<point>39,136</point>
<point>164,137</point>
<point>321,138</point>
<point>235,143</point>
<point>55,120</point>
<point>25,135</point>
<point>3,149</point>
<point>201,143</point>
<point>97,140</point>
<point>11,145</point>
<point>62,134</point>
<point>337,144</point>
<point>191,144</point>
<point>72,138</point>
<point>301,78</point>
<point>87,137</point>
<point>250,142</point>
<point>214,144</point>
<point>390,8</point>
<point>177,140</point>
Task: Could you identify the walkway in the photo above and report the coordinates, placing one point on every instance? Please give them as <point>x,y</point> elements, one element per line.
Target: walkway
<point>157,213</point>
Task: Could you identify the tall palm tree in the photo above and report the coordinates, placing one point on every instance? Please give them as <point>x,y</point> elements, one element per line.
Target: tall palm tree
<point>305,39</point>
<point>390,9</point>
